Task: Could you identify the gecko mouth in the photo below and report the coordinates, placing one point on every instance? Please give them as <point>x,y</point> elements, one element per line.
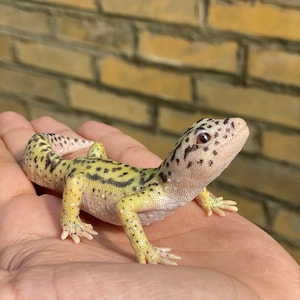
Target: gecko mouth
<point>239,139</point>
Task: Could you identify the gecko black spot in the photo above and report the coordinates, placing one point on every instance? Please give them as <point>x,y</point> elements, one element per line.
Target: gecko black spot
<point>226,121</point>
<point>187,139</point>
<point>205,149</point>
<point>177,161</point>
<point>111,181</point>
<point>215,152</point>
<point>189,164</point>
<point>134,169</point>
<point>163,177</point>
<point>175,150</point>
<point>105,170</point>
<point>232,125</point>
<point>200,162</point>
<point>88,167</point>
<point>52,162</point>
<point>188,150</point>
<point>198,129</point>
<point>217,122</point>
<point>167,164</point>
<point>72,172</point>
<point>144,180</point>
<point>210,163</point>
<point>199,120</point>
<point>116,169</point>
<point>188,130</point>
<point>124,174</point>
<point>98,169</point>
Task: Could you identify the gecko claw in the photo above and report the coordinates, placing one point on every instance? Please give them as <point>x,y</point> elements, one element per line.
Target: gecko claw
<point>212,204</point>
<point>77,231</point>
<point>157,255</point>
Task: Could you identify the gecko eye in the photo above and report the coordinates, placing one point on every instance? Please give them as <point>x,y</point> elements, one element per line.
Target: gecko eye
<point>203,138</point>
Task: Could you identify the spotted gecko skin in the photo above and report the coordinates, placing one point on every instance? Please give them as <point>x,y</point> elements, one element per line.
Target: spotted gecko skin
<point>129,196</point>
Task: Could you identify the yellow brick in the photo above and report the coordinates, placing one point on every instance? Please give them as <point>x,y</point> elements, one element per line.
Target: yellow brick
<point>251,102</point>
<point>6,43</point>
<point>35,22</point>
<point>268,178</point>
<point>275,65</point>
<point>11,104</point>
<point>55,59</point>
<point>179,52</point>
<point>23,83</point>
<point>258,19</point>
<point>174,11</point>
<point>159,144</point>
<point>104,103</point>
<point>85,4</point>
<point>96,33</point>
<point>64,115</point>
<point>118,73</point>
<point>282,146</point>
<point>177,121</point>
<point>287,223</point>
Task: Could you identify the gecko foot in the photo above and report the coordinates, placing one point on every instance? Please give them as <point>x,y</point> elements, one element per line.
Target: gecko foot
<point>77,230</point>
<point>212,204</point>
<point>157,255</point>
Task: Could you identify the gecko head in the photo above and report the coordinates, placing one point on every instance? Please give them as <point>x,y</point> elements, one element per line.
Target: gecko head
<point>205,150</point>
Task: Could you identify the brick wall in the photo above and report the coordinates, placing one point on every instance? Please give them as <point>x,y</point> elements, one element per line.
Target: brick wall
<point>152,68</point>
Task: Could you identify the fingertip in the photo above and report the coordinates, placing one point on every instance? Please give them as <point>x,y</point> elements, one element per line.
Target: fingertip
<point>119,146</point>
<point>94,130</point>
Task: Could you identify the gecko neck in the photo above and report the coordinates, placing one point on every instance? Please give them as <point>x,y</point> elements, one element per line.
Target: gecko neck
<point>180,183</point>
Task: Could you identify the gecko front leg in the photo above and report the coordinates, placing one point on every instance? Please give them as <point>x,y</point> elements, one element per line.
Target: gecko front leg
<point>70,221</point>
<point>127,209</point>
<point>213,204</point>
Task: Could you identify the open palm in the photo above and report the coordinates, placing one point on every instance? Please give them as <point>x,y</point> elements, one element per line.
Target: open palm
<point>222,258</point>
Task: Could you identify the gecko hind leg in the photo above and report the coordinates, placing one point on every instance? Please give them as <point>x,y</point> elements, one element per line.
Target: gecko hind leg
<point>97,150</point>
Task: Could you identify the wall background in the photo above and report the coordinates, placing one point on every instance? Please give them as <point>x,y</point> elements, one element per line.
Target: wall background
<point>151,68</point>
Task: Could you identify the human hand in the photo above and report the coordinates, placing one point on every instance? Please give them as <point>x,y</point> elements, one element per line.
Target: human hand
<point>222,258</point>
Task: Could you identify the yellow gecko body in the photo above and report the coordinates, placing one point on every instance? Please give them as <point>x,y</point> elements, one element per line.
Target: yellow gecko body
<point>132,197</point>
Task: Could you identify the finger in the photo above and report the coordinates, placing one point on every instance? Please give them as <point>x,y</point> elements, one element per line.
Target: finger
<point>12,179</point>
<point>48,124</point>
<point>15,132</point>
<point>118,145</point>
